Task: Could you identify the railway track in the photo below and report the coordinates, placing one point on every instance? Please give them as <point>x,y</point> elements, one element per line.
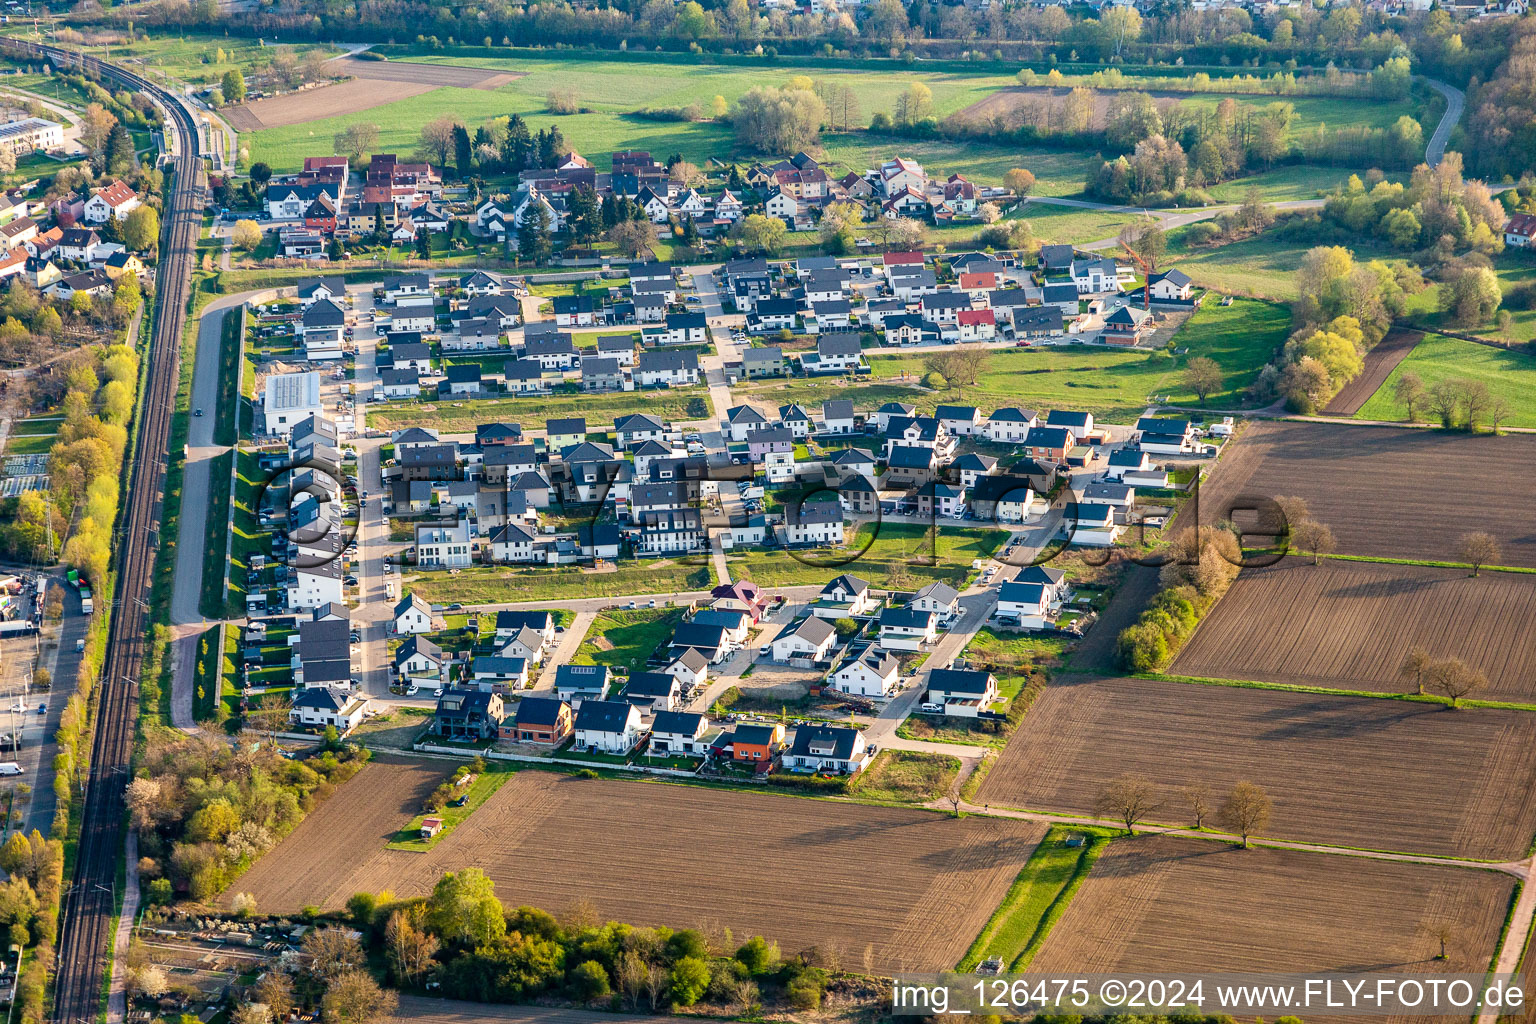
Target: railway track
<point>89,903</point>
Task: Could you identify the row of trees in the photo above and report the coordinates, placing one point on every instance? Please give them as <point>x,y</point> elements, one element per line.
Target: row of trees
<point>1456,402</point>
<point>1358,36</point>
<point>1131,799</point>
<point>1201,564</point>
<point>29,906</point>
<point>462,938</point>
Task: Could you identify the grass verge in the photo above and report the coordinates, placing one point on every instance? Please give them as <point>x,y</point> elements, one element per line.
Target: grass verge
<point>1038,897</point>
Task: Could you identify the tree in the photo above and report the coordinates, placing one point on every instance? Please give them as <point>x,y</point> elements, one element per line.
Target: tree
<point>275,990</point>
<point>463,908</point>
<point>355,998</point>
<point>1415,667</point>
<point>261,173</point>
<point>424,242</point>
<point>1019,181</point>
<point>247,234</point>
<point>1478,549</point>
<point>1454,678</point>
<point>1311,535</point>
<point>437,139</point>
<point>1199,797</point>
<point>845,627</point>
<point>410,948</point>
<point>589,981</point>
<point>96,126</point>
<point>356,140</point>
<point>915,105</point>
<point>1408,392</point>
<point>1128,798</point>
<point>331,952</point>
<point>463,151</point>
<point>688,981</point>
<point>119,158</point>
<point>1499,410</point>
<point>759,233</point>
<point>633,237</point>
<point>758,955</point>
<point>533,240</point>
<point>775,120</point>
<point>1246,810</point>
<point>1147,240</point>
<point>252,1013</point>
<point>1202,375</point>
<point>232,85</point>
<point>907,233</point>
<point>141,229</point>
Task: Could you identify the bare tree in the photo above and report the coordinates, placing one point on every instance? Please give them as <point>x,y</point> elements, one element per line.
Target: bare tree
<point>1311,535</point>
<point>1478,549</point>
<point>632,978</point>
<point>1203,376</point>
<point>332,952</point>
<point>1444,934</point>
<point>1294,509</point>
<point>1409,392</point>
<point>355,998</point>
<point>1246,810</point>
<point>1454,678</point>
<point>633,237</point>
<point>437,139</point>
<point>1498,411</point>
<point>1415,667</point>
<point>1199,798</point>
<point>1128,798</point>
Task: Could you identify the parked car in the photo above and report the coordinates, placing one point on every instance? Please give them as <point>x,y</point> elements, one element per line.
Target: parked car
<point>928,707</point>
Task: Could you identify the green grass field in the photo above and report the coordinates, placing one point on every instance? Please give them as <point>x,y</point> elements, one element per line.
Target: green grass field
<point>895,557</point>
<point>499,584</point>
<point>1508,375</point>
<point>625,639</point>
<point>486,784</point>
<point>907,776</point>
<point>192,57</point>
<point>1037,898</point>
<point>1116,385</point>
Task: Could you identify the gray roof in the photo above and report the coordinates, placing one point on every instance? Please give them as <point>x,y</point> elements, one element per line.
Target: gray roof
<point>603,715</point>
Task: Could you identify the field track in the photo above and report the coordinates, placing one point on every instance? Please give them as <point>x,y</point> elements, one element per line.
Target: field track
<point>1388,492</point>
<point>904,889</point>
<point>1157,904</point>
<point>1379,364</point>
<point>1347,771</point>
<point>1348,625</point>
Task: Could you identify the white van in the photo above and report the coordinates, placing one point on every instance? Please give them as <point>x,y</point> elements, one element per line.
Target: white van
<point>9,768</point>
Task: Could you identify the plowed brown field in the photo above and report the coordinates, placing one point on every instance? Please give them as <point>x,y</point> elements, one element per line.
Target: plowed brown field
<point>909,887</point>
<point>1347,771</point>
<point>1157,904</point>
<point>1349,624</point>
<point>1389,492</point>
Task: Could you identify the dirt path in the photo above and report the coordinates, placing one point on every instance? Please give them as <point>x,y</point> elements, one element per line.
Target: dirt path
<point>1379,364</point>
<point>184,683</point>
<point>565,650</point>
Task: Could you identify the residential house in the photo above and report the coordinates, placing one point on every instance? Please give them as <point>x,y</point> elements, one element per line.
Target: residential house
<point>1166,436</point>
<point>608,727</point>
<point>564,432</point>
<point>679,732</point>
<point>875,674</point>
<point>444,546</point>
<point>1126,326</point>
<point>939,598</point>
<point>319,707</point>
<point>637,427</point>
<point>1095,524</point>
<point>1175,285</point>
<point>742,421</point>
<point>835,353</point>
<point>667,369</point>
<point>1010,425</point>
<point>690,668</point>
<point>757,745</point>
<point>960,420</point>
<point>411,615</point>
<point>463,714</point>
<point>972,466</point>
<point>112,202</point>
<point>834,749</point>
<point>772,315</point>
<point>653,691</point>
<point>845,596</point>
<point>1002,499</point>
<point>814,524</point>
<point>421,661</point>
<point>759,362</point>
<point>1049,444</point>
<point>577,683</point>
<point>963,692</point>
<point>804,643</point>
<point>544,720</point>
<point>1026,605</point>
<point>837,416</point>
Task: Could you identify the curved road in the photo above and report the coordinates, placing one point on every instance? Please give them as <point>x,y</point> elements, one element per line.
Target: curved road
<point>1455,103</point>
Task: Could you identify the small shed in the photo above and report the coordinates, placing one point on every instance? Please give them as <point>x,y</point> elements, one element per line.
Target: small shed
<point>431,827</point>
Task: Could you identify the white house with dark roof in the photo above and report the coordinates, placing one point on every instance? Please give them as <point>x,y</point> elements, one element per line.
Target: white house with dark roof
<point>805,642</point>
<point>828,748</point>
<point>1010,424</point>
<point>875,674</point>
<point>411,615</point>
<point>607,727</point>
<point>963,693</point>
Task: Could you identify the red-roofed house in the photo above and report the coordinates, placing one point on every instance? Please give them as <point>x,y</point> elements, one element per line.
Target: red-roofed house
<point>977,324</point>
<point>114,202</point>
<point>902,259</point>
<point>1521,230</point>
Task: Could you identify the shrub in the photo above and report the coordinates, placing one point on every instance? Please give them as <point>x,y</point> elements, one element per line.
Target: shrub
<point>589,981</point>
<point>758,955</point>
<point>804,992</point>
